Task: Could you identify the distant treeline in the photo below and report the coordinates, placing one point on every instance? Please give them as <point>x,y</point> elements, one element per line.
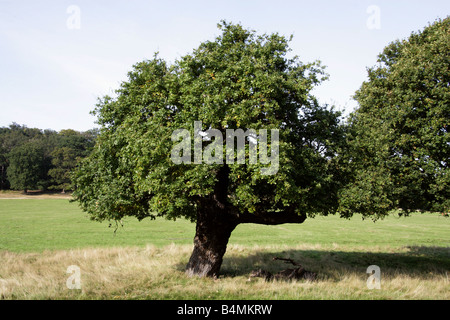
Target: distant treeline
<point>32,158</point>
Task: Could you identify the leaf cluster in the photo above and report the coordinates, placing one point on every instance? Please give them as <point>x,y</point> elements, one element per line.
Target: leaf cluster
<point>400,141</point>
<point>239,80</point>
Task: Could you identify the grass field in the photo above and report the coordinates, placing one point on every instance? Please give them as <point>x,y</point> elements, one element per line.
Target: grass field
<point>41,238</point>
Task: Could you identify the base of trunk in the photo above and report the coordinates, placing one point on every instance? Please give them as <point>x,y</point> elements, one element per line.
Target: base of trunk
<point>210,244</point>
<point>205,263</point>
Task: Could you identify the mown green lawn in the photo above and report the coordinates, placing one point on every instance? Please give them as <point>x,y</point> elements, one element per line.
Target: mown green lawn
<point>30,225</point>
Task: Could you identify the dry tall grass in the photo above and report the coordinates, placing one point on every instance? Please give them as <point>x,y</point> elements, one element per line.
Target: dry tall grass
<point>157,273</point>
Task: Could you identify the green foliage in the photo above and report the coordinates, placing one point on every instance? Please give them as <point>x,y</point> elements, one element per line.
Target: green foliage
<point>27,167</point>
<point>60,153</point>
<point>400,142</point>
<point>70,147</point>
<point>10,138</point>
<point>239,80</point>
<point>63,160</point>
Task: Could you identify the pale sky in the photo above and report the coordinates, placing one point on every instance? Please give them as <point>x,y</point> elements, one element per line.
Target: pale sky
<point>57,57</point>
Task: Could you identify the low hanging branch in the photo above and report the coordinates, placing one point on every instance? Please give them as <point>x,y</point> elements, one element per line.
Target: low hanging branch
<point>298,273</point>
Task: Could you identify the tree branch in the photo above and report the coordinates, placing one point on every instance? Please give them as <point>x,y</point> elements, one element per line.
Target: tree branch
<point>271,218</point>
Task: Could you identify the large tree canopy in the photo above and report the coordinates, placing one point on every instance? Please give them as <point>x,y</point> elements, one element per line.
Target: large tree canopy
<point>240,80</point>
<point>400,141</point>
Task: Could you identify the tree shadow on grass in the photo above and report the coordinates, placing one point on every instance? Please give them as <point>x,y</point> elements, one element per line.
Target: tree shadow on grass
<point>416,261</point>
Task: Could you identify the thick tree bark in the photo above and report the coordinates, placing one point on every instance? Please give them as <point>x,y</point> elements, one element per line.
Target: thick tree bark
<point>216,220</point>
<point>210,243</point>
<point>214,227</point>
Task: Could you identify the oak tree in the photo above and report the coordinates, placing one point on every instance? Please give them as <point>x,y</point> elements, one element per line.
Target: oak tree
<point>241,80</point>
<point>400,133</point>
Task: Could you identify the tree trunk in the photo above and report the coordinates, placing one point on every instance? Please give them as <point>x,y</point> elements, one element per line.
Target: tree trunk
<point>216,219</point>
<point>213,230</point>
